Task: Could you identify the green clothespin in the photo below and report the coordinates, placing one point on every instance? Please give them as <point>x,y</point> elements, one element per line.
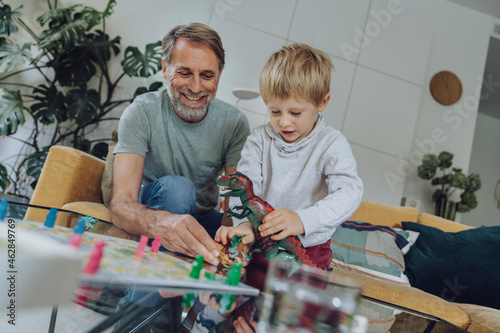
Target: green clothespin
<point>89,221</point>
<point>233,279</point>
<point>197,266</point>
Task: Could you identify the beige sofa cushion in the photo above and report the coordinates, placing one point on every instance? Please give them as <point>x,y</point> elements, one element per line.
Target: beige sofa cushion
<point>68,175</point>
<point>107,175</point>
<point>96,210</point>
<point>381,214</point>
<point>441,223</point>
<point>484,320</point>
<point>407,297</point>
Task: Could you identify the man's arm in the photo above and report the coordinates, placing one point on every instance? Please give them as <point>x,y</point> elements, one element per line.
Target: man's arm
<point>180,233</point>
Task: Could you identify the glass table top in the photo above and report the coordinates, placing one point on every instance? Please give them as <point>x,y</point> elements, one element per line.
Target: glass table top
<point>72,301</point>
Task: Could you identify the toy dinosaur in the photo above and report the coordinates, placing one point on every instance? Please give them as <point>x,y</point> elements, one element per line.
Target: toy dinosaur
<point>255,208</point>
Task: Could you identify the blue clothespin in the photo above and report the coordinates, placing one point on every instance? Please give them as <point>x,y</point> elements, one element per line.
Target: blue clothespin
<point>51,218</point>
<point>79,227</point>
<point>4,203</point>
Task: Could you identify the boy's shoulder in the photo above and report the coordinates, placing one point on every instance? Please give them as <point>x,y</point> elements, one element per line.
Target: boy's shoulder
<point>329,132</point>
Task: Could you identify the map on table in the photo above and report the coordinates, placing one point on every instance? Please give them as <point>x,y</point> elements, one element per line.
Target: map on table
<point>119,267</point>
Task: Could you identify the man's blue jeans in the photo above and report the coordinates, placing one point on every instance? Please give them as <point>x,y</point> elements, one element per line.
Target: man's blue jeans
<point>177,195</point>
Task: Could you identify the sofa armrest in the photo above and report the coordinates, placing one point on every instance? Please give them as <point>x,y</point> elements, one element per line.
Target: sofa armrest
<point>382,214</point>
<point>441,223</point>
<point>404,296</point>
<point>68,175</point>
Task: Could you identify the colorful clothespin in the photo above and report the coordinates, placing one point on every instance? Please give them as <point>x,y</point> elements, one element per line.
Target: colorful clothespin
<point>155,246</point>
<point>95,258</point>
<point>51,218</point>
<point>4,204</point>
<point>78,231</point>
<point>139,253</point>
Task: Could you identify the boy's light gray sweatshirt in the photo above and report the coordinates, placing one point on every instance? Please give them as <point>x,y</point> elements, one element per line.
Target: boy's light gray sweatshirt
<point>315,177</point>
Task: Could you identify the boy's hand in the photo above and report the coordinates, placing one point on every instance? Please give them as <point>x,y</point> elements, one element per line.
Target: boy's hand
<point>241,326</point>
<point>227,233</point>
<point>282,221</point>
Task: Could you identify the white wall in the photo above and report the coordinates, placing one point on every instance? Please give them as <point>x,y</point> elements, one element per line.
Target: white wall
<point>485,160</point>
<point>381,100</point>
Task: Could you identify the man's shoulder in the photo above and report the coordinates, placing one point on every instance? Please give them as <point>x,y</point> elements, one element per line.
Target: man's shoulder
<point>149,103</point>
<point>228,114</point>
<point>150,97</point>
<point>220,106</point>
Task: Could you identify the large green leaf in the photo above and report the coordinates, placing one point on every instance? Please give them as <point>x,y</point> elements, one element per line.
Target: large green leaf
<point>12,56</point>
<point>65,28</point>
<point>35,163</point>
<point>102,46</point>
<point>75,67</point>
<point>153,87</point>
<point>84,105</point>
<point>7,24</point>
<point>109,8</point>
<point>100,150</point>
<point>11,111</point>
<point>137,64</point>
<point>51,104</point>
<point>4,178</point>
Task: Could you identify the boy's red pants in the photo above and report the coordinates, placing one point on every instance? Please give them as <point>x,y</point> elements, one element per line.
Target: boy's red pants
<point>320,254</point>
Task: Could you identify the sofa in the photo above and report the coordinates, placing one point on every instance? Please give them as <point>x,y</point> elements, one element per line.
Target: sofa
<point>73,180</point>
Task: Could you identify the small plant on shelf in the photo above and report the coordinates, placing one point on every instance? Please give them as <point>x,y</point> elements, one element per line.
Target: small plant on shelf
<point>448,180</point>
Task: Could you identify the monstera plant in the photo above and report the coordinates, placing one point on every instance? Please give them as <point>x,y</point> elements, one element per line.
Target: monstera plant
<point>61,82</point>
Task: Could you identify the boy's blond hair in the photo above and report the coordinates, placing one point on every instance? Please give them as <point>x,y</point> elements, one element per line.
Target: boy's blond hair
<point>296,70</point>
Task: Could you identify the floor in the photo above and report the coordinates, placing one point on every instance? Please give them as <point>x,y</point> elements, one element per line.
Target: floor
<point>70,318</point>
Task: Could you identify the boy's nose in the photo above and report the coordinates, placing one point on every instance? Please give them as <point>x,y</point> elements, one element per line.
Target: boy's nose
<point>284,121</point>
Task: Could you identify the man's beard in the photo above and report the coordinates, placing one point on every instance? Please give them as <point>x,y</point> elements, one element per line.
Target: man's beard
<point>186,110</point>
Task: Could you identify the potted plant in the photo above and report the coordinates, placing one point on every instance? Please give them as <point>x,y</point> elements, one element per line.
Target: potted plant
<point>447,181</point>
<point>69,89</point>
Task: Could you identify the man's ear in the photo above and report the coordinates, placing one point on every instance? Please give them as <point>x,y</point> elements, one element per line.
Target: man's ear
<point>163,66</point>
<point>324,103</point>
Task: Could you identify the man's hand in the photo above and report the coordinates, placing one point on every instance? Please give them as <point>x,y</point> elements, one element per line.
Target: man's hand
<point>282,221</point>
<point>182,233</point>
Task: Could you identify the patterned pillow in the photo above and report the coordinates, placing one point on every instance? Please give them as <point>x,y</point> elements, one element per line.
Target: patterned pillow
<point>372,249</point>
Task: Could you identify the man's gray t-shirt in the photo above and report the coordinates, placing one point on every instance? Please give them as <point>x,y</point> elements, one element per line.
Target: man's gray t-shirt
<point>198,151</point>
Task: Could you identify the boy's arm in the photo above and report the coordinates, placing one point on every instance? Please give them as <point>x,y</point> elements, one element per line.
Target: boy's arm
<point>250,165</point>
<point>282,221</point>
<point>345,190</point>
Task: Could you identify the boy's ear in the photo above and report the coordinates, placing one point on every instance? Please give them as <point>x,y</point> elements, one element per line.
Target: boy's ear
<point>324,103</point>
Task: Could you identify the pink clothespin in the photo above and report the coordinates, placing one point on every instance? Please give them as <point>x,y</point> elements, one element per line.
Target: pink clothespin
<point>155,246</point>
<point>95,258</point>
<point>76,239</point>
<point>141,247</point>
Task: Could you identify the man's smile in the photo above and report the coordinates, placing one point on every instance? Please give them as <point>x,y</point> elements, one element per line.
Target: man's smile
<point>194,97</point>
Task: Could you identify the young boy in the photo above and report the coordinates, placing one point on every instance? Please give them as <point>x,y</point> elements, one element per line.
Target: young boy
<point>302,167</point>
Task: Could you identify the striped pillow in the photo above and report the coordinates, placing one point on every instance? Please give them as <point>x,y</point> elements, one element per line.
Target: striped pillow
<point>374,250</point>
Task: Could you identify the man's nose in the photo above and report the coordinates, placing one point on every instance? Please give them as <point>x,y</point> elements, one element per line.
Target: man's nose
<point>195,84</point>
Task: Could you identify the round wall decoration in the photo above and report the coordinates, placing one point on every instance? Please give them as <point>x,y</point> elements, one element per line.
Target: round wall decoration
<point>446,87</point>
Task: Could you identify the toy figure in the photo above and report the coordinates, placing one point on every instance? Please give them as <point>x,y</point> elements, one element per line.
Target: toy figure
<point>234,252</point>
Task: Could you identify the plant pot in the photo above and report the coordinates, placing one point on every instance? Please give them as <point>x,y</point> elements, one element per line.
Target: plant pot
<point>446,208</point>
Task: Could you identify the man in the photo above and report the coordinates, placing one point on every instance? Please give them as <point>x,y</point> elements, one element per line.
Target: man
<point>175,143</point>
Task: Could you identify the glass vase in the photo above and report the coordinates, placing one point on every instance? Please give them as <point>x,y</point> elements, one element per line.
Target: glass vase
<point>446,208</point>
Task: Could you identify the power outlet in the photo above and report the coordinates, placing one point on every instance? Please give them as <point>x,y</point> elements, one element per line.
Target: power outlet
<point>411,202</point>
